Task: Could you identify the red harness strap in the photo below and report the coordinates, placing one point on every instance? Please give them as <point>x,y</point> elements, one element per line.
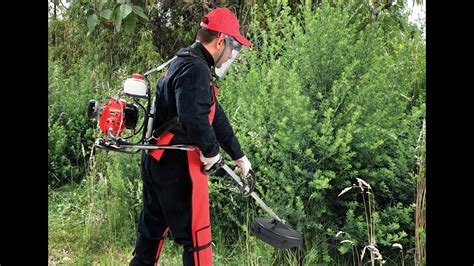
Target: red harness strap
<point>160,245</point>
<point>200,221</point>
<point>165,139</point>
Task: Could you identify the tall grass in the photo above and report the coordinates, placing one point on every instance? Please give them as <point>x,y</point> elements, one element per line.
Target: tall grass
<point>369,210</point>
<point>94,223</point>
<point>370,245</point>
<point>420,212</point>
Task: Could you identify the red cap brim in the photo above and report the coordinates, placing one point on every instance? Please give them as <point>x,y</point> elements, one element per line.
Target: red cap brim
<point>242,40</point>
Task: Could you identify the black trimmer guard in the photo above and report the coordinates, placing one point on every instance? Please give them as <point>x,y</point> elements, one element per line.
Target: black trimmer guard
<point>275,233</point>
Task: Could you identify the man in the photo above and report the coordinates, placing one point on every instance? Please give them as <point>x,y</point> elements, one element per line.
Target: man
<point>175,192</point>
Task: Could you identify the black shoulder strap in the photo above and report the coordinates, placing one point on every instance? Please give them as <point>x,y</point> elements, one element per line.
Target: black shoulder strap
<point>165,127</point>
<point>191,54</point>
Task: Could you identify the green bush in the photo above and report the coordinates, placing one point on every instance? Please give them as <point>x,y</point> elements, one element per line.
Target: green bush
<point>325,105</point>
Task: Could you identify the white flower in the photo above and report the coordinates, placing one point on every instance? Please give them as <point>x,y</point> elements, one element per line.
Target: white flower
<point>346,241</point>
<point>339,233</point>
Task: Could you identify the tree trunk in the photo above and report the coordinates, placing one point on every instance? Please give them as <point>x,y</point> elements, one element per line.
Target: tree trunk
<point>55,4</point>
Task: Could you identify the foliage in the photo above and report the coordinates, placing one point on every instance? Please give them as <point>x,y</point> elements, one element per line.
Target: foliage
<point>112,14</point>
<point>327,105</point>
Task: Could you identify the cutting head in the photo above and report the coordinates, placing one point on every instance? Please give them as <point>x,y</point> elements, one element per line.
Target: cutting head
<point>275,233</point>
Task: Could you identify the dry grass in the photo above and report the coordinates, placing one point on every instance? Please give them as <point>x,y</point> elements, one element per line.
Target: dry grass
<point>369,210</point>
<point>420,211</point>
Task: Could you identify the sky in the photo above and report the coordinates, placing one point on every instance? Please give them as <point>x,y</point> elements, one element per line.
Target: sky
<point>418,15</point>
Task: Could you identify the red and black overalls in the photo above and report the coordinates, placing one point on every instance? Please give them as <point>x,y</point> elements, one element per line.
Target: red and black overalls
<point>175,190</point>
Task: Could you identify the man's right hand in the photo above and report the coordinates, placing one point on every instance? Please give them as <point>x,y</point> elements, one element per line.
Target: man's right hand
<point>210,162</point>
<point>243,165</point>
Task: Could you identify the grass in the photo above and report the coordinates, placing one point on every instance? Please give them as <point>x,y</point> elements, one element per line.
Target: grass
<point>420,213</point>
<point>85,220</point>
<point>91,224</point>
<point>94,222</point>
<point>71,241</point>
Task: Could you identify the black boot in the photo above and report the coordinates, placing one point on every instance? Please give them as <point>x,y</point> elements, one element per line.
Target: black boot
<point>188,256</point>
<point>145,252</point>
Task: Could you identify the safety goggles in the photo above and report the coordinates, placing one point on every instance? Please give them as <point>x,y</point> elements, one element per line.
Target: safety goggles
<point>230,43</point>
<point>234,43</point>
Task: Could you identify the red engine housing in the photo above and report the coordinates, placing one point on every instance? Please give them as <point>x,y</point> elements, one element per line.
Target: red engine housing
<point>112,117</point>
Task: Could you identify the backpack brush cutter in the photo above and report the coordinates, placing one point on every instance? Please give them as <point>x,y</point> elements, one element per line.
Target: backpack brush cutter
<point>117,115</point>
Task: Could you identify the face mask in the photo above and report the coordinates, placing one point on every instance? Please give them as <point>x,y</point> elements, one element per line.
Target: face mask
<point>230,43</point>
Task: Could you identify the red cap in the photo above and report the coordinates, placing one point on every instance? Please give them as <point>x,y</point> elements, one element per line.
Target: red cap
<point>223,20</point>
<point>137,76</point>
